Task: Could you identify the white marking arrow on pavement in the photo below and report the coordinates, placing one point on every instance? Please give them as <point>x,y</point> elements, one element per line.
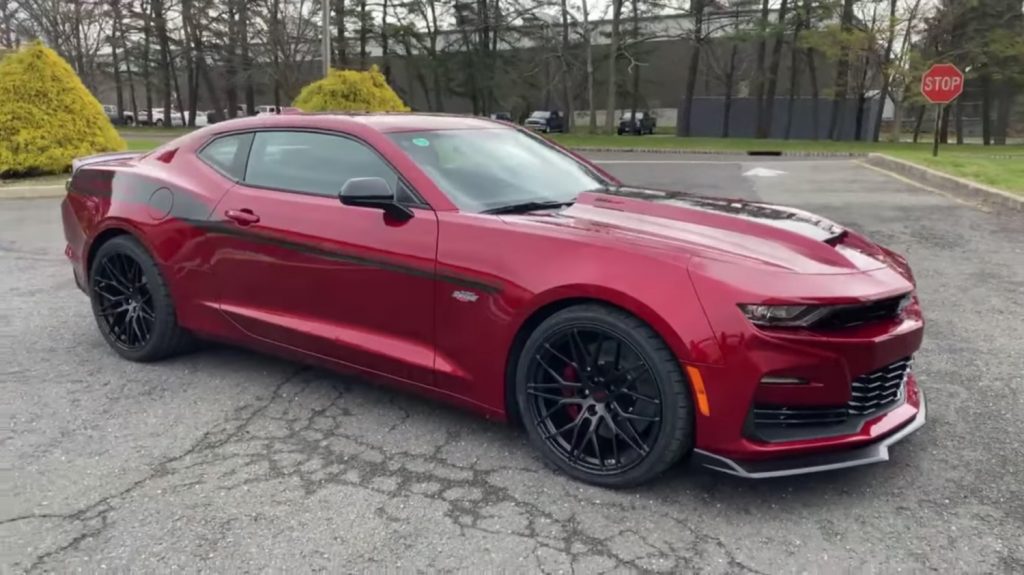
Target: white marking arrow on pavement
<point>764,172</point>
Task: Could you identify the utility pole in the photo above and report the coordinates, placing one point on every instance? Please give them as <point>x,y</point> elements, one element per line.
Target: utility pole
<point>326,36</point>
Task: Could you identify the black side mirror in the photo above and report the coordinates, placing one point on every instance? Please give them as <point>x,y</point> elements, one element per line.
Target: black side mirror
<point>373,193</point>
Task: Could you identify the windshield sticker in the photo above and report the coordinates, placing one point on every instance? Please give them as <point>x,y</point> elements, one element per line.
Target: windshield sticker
<point>421,142</point>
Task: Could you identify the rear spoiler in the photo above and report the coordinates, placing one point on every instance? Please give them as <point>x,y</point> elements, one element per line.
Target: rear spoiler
<point>102,159</point>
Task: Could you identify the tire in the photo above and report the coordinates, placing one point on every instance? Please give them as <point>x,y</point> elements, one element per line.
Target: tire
<point>159,123</point>
<point>123,276</point>
<point>645,422</point>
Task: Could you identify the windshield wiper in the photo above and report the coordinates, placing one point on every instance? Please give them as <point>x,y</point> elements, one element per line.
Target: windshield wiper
<point>527,207</point>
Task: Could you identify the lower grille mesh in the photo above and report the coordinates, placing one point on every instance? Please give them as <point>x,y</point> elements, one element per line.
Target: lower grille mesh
<point>871,394</point>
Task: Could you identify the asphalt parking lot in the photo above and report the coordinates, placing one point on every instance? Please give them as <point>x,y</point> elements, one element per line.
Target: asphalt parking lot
<point>228,461</point>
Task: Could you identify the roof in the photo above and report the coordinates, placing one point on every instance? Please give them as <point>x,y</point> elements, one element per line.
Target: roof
<point>382,121</point>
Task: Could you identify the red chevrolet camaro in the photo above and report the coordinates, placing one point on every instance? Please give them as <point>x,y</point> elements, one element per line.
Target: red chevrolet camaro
<point>466,259</point>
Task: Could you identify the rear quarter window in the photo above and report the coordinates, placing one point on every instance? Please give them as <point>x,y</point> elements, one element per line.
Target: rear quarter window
<point>227,154</point>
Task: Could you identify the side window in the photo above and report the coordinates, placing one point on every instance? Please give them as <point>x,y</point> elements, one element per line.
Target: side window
<point>312,163</point>
<point>227,154</point>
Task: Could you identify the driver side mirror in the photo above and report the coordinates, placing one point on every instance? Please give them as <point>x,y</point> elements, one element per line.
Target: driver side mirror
<point>373,193</point>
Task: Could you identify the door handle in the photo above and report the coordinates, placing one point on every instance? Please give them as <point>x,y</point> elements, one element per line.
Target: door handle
<point>242,217</point>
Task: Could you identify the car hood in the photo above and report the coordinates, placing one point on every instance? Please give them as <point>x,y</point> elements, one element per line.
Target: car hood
<point>737,231</point>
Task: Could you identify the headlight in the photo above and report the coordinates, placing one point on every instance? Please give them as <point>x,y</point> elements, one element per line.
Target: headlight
<point>783,315</point>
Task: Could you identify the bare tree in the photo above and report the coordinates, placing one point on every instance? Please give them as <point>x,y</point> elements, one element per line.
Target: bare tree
<point>613,61</point>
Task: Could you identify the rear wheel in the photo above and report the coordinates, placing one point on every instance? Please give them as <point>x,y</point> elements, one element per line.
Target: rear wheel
<point>131,302</point>
<point>602,397</point>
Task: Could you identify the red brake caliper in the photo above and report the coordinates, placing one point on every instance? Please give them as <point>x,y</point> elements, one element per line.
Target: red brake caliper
<point>569,374</point>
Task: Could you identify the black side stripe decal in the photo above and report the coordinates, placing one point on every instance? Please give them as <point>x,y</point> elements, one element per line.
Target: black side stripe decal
<point>224,228</point>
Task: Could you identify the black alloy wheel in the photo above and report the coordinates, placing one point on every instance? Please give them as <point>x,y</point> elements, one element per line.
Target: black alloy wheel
<point>603,398</point>
<point>131,302</point>
<point>125,304</point>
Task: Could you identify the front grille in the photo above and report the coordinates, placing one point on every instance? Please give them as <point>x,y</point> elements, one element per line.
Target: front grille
<point>852,315</point>
<point>879,389</point>
<point>871,394</point>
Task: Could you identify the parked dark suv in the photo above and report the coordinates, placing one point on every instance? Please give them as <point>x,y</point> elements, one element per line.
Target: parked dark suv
<point>546,121</point>
<point>644,123</point>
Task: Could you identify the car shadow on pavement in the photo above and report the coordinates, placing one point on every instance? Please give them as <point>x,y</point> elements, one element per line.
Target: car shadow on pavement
<point>323,415</point>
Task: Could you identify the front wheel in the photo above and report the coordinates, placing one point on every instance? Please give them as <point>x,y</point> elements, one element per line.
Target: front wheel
<point>131,302</point>
<point>603,398</point>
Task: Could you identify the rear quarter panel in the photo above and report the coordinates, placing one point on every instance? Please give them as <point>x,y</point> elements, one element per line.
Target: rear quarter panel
<point>156,199</point>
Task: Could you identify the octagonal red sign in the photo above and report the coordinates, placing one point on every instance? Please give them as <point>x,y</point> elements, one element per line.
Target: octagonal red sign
<point>942,83</point>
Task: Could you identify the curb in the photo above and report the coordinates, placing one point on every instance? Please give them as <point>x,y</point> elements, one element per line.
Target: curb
<point>750,153</point>
<point>960,188</point>
<point>31,192</point>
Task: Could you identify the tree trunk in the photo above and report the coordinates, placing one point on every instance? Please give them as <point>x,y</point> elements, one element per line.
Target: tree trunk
<point>177,95</point>
<point>146,79</point>
<point>958,112</point>
<point>231,61</point>
<point>986,109</point>
<point>897,118</point>
<point>858,128</point>
<point>684,123</point>
<point>1003,108</point>
<point>883,94</point>
<point>202,70</point>
<point>339,14</point>
<point>613,60</point>
<point>570,116</point>
<point>192,81</point>
<point>275,44</point>
<point>944,126</point>
<point>842,75</point>
<point>160,23</point>
<point>812,76</point>
<point>588,49</point>
<point>812,73</point>
<point>119,30</point>
<point>385,52</point>
<point>363,34</point>
<point>635,72</point>
<point>437,63</point>
<point>118,88</point>
<point>244,59</point>
<point>730,78</point>
<point>794,71</point>
<point>767,114</point>
<point>759,78</point>
<point>918,122</point>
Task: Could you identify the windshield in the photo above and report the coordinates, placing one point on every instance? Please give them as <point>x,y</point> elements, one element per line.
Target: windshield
<point>639,116</point>
<point>540,115</point>
<point>481,170</point>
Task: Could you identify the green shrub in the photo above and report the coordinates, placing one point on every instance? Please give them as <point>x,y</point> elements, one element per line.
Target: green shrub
<point>47,116</point>
<point>350,91</point>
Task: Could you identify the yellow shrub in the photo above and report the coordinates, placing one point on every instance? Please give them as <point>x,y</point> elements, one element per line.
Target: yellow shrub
<point>47,116</point>
<point>350,91</point>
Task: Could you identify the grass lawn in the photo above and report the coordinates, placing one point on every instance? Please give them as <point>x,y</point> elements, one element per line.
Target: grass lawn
<point>151,131</point>
<point>1005,173</point>
<point>142,144</point>
<point>47,180</point>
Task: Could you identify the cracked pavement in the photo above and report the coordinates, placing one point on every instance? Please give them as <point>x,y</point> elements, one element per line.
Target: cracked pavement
<point>224,460</point>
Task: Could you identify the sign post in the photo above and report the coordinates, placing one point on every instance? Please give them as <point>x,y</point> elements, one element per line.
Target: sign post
<point>940,85</point>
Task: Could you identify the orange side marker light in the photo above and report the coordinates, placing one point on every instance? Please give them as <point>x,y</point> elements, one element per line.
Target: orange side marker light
<point>698,389</point>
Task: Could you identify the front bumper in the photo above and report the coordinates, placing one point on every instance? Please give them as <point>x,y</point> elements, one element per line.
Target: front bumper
<point>829,461</point>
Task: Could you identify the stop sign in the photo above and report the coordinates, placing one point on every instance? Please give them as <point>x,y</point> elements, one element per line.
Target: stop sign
<point>942,83</point>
